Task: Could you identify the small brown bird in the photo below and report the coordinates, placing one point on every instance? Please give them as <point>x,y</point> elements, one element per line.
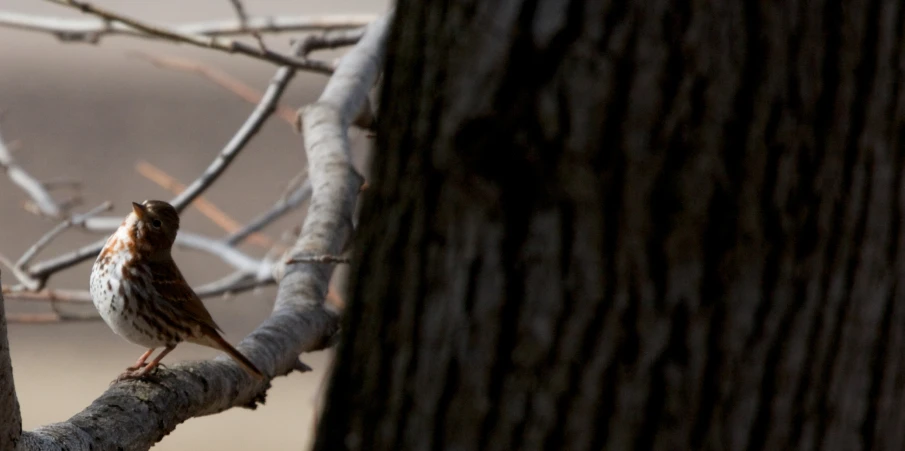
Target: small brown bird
<point>142,296</point>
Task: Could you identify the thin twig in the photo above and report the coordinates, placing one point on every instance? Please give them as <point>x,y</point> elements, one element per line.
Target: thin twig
<point>211,42</point>
<point>43,269</point>
<point>283,206</point>
<point>243,19</point>
<point>262,111</point>
<point>251,126</point>
<point>91,30</point>
<point>53,233</point>
<point>225,252</point>
<point>207,208</point>
<point>35,189</point>
<point>218,77</point>
<point>236,282</point>
<point>24,278</point>
<point>230,255</point>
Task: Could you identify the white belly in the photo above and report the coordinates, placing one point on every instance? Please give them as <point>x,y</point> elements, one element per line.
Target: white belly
<point>109,299</point>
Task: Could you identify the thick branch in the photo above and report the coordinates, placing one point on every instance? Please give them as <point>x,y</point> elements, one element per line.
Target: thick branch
<point>135,415</point>
<point>10,418</point>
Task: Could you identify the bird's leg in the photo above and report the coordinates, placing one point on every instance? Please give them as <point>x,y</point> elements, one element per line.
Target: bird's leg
<point>156,361</point>
<point>141,360</point>
<point>139,374</point>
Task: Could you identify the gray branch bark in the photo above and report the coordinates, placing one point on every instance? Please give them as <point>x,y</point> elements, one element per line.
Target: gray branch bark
<point>134,415</point>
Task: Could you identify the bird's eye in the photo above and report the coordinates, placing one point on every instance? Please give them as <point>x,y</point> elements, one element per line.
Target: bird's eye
<point>156,223</point>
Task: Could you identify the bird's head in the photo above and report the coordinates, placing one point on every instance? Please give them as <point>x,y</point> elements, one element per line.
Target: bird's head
<point>153,225</point>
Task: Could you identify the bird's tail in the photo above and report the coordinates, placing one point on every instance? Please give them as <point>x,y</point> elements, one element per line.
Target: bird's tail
<point>223,345</point>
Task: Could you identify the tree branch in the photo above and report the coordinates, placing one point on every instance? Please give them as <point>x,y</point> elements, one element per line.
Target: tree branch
<point>35,189</point>
<point>135,414</point>
<point>283,206</point>
<point>209,42</point>
<point>243,19</point>
<point>10,417</point>
<point>252,125</point>
<point>92,30</point>
<point>77,220</point>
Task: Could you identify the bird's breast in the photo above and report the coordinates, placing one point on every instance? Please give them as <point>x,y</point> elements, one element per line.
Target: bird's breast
<point>117,288</point>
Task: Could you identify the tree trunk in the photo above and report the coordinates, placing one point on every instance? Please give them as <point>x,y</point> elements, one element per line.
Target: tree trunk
<point>10,418</point>
<point>653,225</point>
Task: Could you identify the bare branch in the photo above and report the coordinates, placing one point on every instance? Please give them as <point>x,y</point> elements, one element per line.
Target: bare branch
<point>218,248</point>
<point>42,270</point>
<point>225,252</point>
<point>259,115</point>
<point>243,19</point>
<point>135,414</point>
<point>240,12</point>
<point>262,111</point>
<point>210,42</point>
<point>24,278</point>
<point>237,282</point>
<point>10,417</point>
<point>232,256</point>
<point>35,189</point>
<point>283,206</point>
<point>91,30</point>
<point>77,220</point>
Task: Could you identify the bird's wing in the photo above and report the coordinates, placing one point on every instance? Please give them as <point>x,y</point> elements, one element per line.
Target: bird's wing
<point>172,287</point>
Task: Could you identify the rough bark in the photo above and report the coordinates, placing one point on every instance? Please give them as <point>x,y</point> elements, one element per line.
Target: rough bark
<point>10,416</point>
<point>652,225</point>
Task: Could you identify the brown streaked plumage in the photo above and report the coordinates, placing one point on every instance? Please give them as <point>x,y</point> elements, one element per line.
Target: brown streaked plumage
<point>142,296</point>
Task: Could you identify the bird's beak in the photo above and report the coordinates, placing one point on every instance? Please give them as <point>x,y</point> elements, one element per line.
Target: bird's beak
<point>139,210</point>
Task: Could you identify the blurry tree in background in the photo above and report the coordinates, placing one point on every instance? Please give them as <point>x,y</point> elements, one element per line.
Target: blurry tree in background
<point>655,225</point>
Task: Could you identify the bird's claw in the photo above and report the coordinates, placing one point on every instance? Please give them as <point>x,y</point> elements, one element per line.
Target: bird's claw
<point>134,373</point>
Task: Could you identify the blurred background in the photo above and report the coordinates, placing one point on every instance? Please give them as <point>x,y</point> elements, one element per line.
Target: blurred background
<point>91,113</point>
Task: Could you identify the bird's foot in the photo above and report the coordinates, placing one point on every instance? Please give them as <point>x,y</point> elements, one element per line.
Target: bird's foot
<point>143,374</point>
<point>143,364</point>
<point>132,375</point>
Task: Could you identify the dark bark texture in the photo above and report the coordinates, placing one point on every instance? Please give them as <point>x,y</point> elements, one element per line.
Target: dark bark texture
<point>644,225</point>
<point>10,418</point>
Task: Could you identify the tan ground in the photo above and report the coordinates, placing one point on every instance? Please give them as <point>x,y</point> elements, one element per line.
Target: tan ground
<point>90,113</point>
